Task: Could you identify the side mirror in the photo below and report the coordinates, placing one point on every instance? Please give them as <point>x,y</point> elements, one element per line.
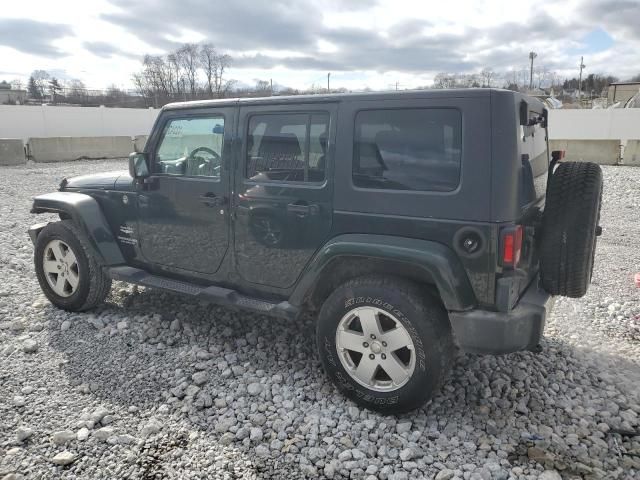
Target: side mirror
<point>138,167</point>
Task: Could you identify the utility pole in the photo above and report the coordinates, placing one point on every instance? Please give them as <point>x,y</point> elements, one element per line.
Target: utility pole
<point>396,85</point>
<point>328,76</point>
<point>582,65</point>
<point>532,55</point>
<point>271,82</point>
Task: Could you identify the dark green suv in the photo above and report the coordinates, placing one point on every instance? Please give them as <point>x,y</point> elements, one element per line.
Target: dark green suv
<point>412,223</point>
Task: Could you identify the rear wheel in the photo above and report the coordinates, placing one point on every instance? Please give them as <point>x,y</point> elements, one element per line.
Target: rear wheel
<point>69,275</point>
<point>384,343</point>
<point>570,226</point>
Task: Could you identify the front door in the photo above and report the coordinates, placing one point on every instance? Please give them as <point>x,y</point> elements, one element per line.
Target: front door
<point>183,207</point>
<point>283,190</point>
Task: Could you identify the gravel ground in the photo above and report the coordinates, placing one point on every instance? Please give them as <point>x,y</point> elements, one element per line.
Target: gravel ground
<point>152,385</point>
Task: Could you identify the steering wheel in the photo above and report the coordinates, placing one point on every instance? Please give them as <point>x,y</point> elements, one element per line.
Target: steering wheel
<point>204,149</point>
<point>209,162</point>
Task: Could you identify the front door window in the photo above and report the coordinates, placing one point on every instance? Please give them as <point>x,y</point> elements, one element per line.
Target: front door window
<point>191,147</point>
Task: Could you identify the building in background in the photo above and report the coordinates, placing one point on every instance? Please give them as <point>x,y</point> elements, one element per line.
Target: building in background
<point>11,96</point>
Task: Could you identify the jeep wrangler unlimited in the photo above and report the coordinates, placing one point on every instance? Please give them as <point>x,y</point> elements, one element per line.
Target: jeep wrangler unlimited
<point>412,223</point>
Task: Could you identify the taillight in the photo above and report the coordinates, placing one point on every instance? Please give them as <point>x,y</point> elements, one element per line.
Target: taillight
<point>511,246</point>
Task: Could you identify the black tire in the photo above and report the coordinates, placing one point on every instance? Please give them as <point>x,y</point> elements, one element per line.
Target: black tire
<point>424,319</point>
<point>569,228</point>
<point>93,284</point>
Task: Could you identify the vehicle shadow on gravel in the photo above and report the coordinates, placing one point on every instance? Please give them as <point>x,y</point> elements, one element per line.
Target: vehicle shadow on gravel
<point>148,343</point>
<point>129,349</point>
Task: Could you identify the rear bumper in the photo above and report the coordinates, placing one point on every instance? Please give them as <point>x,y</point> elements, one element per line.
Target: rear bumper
<point>483,331</point>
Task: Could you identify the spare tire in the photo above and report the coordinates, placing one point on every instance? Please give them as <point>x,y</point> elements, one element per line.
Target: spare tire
<point>570,228</point>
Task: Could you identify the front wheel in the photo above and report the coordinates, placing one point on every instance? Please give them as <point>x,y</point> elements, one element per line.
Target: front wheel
<point>69,275</point>
<point>384,343</point>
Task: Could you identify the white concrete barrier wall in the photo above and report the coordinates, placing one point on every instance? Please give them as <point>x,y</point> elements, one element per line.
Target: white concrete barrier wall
<point>139,143</point>
<point>22,121</point>
<point>615,124</point>
<point>631,154</point>
<point>603,152</point>
<point>12,151</point>
<point>62,149</point>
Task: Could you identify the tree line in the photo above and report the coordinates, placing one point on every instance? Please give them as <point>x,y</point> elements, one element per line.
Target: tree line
<point>196,71</point>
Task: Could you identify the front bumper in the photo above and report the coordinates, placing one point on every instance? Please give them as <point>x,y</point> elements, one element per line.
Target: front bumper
<point>483,331</point>
<point>35,230</point>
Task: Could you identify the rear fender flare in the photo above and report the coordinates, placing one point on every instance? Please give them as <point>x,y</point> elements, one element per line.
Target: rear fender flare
<point>85,212</point>
<point>430,262</point>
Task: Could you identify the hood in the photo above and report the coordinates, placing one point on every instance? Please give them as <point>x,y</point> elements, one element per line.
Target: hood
<point>102,181</point>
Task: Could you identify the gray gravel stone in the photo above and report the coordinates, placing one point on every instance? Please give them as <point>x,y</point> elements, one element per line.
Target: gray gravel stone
<point>403,427</point>
<point>256,434</point>
<point>254,389</point>
<point>64,458</point>
<point>550,475</point>
<point>103,433</point>
<point>131,362</point>
<point>262,451</point>
<point>23,433</point>
<point>63,436</point>
<point>30,346</point>
<point>200,378</point>
<point>445,474</point>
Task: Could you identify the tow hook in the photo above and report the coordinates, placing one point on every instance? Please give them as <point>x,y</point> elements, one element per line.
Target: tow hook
<point>598,231</point>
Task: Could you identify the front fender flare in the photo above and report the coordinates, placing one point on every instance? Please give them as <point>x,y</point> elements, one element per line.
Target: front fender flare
<point>85,212</point>
<point>438,264</point>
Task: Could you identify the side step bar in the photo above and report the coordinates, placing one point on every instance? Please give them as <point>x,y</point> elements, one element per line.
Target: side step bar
<point>218,295</point>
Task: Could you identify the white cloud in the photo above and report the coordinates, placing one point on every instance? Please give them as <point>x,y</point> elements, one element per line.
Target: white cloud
<point>364,43</point>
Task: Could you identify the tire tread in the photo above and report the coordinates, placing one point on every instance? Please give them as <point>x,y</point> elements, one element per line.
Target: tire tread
<point>569,223</point>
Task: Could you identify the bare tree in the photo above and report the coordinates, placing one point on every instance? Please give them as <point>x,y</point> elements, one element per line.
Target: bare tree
<point>170,77</point>
<point>214,66</point>
<point>444,80</point>
<point>188,58</point>
<point>208,60</point>
<point>487,75</point>
<point>263,87</point>
<point>76,91</point>
<point>174,74</point>
<point>221,86</point>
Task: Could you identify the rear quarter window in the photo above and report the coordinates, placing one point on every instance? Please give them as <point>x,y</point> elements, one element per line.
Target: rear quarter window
<point>415,149</point>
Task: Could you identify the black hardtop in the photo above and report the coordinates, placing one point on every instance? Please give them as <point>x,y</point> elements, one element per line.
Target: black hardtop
<point>340,97</point>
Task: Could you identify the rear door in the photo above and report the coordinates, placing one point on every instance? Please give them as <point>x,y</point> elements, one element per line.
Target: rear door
<point>283,190</point>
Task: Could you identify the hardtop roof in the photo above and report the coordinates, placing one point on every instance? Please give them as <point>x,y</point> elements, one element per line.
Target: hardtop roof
<point>338,97</point>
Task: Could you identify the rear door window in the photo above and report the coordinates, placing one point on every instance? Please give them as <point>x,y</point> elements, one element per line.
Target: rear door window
<point>287,147</point>
<point>408,149</point>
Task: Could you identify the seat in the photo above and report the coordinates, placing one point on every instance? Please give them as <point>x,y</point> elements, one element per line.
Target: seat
<point>278,153</point>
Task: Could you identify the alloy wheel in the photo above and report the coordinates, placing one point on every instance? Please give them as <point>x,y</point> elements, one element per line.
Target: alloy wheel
<point>375,349</point>
<point>60,267</point>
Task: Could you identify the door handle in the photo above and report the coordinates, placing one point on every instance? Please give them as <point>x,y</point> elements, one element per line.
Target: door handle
<point>210,199</point>
<point>302,209</point>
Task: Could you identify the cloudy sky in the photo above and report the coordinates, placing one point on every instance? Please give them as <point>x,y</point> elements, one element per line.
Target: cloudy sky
<point>364,43</point>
